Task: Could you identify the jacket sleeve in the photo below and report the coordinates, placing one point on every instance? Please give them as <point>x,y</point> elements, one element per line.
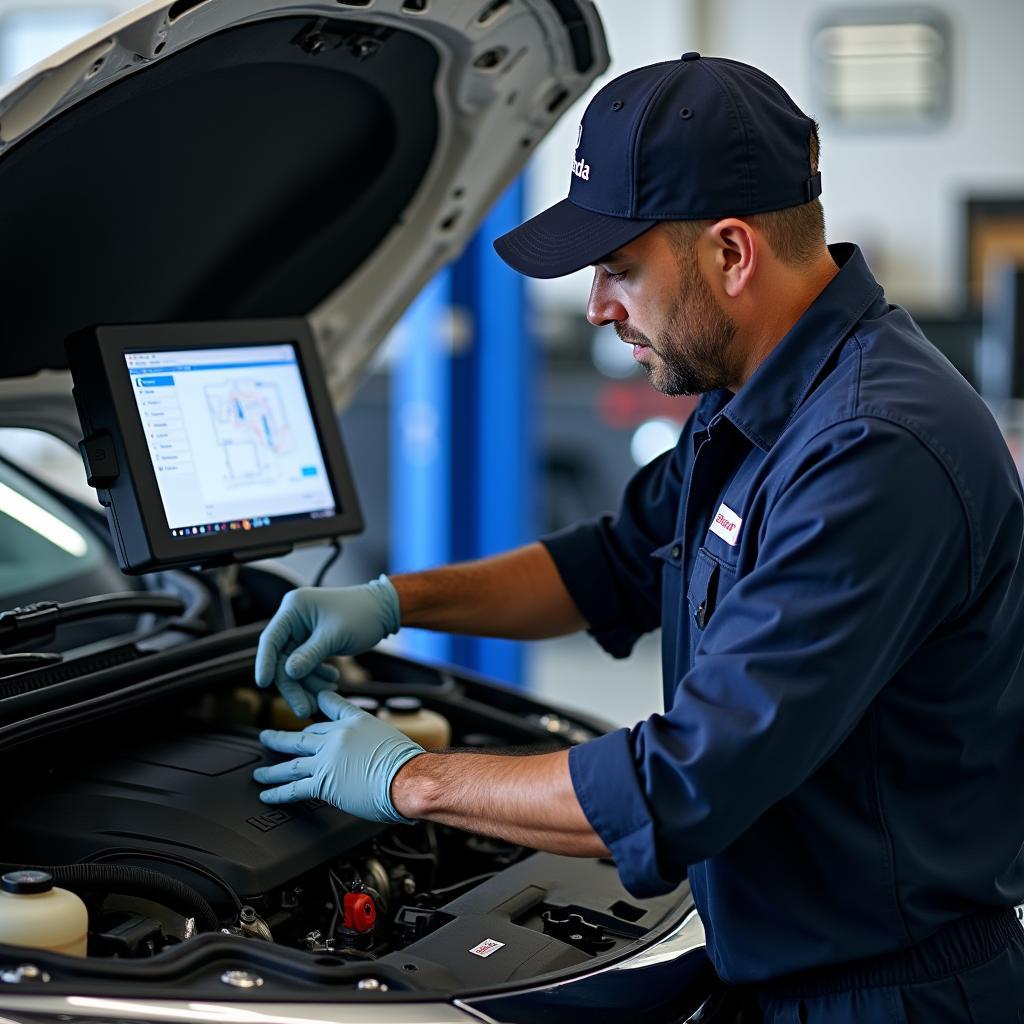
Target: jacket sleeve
<point>863,552</point>
<point>606,562</point>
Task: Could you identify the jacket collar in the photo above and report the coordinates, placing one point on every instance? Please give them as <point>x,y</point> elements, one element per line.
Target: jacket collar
<point>763,407</point>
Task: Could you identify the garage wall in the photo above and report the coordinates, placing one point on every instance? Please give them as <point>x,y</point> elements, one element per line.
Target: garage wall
<point>33,29</point>
<point>901,193</point>
<point>898,194</point>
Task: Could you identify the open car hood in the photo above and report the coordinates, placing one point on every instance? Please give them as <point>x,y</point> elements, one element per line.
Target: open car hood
<point>217,159</point>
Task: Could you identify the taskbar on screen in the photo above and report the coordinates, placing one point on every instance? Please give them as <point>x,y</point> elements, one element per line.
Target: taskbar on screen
<point>253,523</point>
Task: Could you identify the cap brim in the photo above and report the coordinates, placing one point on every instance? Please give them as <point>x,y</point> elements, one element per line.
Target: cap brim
<point>565,238</point>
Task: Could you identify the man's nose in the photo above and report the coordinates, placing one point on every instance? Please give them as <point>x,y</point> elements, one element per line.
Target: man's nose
<point>602,307</point>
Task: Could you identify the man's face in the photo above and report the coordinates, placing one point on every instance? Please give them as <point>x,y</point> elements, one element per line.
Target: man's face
<point>657,299</point>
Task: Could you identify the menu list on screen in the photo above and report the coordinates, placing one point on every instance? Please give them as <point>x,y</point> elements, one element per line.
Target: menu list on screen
<point>230,436</point>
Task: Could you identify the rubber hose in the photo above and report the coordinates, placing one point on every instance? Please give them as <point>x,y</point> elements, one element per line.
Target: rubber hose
<point>133,881</point>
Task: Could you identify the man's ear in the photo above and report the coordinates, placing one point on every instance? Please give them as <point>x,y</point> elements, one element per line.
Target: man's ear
<point>735,254</point>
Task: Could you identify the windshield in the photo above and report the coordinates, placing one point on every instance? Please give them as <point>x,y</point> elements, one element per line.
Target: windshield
<point>42,543</point>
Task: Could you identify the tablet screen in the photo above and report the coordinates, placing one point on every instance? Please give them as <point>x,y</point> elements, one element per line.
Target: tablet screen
<point>231,437</point>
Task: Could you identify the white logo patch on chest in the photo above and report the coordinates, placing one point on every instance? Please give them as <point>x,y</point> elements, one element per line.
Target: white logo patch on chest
<point>726,525</point>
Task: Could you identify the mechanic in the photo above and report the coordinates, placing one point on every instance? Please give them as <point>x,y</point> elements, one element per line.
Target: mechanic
<point>833,554</point>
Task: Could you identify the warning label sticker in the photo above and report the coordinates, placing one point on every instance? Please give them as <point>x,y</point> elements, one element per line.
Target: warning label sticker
<point>487,947</point>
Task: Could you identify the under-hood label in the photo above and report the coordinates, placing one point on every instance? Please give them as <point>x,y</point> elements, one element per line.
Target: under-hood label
<point>487,947</point>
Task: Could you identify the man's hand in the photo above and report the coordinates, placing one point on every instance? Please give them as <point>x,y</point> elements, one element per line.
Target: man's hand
<point>312,624</point>
<point>349,762</point>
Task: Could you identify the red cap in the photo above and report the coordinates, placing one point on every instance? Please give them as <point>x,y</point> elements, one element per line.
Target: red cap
<point>360,911</point>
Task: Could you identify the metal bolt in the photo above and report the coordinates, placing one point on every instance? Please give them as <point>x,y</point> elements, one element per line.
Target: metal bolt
<point>241,979</point>
<point>371,985</point>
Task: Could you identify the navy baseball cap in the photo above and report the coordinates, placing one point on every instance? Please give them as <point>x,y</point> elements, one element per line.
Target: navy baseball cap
<point>699,138</point>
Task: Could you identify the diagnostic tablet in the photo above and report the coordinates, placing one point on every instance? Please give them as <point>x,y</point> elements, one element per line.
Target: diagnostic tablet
<point>210,443</point>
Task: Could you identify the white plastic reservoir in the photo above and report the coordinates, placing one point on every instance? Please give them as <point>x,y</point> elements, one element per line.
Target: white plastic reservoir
<point>35,913</point>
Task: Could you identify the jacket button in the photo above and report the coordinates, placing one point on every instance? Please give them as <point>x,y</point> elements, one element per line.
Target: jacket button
<point>676,551</point>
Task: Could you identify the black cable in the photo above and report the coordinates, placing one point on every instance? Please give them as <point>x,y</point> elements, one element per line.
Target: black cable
<point>131,603</point>
<point>331,559</point>
<point>167,858</point>
<point>405,855</point>
<point>431,831</point>
<point>404,851</point>
<point>87,879</point>
<point>435,849</point>
<point>38,622</point>
<point>335,882</point>
<point>464,884</point>
<point>401,844</point>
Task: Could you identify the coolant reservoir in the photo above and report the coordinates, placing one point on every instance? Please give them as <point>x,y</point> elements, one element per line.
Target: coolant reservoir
<point>34,912</point>
<point>422,726</point>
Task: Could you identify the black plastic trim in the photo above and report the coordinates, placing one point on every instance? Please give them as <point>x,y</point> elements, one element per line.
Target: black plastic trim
<point>579,34</point>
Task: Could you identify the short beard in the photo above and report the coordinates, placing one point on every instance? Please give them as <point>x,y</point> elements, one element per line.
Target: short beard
<point>691,352</point>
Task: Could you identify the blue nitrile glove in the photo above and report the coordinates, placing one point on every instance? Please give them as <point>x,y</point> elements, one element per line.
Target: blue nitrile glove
<point>349,762</point>
<point>314,623</point>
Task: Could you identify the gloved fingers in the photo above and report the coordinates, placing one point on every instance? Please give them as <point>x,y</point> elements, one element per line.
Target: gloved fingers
<point>335,707</point>
<point>297,691</point>
<point>275,636</point>
<point>285,742</point>
<point>303,789</point>
<point>298,698</point>
<point>287,771</point>
<point>326,672</point>
<point>312,652</point>
<point>319,728</point>
<point>315,686</point>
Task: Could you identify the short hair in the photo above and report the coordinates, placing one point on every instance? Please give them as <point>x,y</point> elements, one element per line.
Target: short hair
<point>795,234</point>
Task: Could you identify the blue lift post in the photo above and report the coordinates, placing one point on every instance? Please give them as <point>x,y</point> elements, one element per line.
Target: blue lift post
<point>463,429</point>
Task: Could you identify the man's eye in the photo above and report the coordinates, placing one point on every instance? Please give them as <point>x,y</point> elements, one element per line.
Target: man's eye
<point>614,274</point>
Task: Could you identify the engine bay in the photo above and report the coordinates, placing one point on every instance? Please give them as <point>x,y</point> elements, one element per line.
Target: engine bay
<point>160,830</point>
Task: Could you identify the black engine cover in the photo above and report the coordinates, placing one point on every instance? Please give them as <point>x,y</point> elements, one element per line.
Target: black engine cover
<point>191,796</point>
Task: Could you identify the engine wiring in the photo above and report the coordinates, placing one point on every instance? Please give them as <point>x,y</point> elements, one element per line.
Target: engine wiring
<point>121,853</point>
<point>337,884</point>
<point>465,883</point>
<point>334,882</point>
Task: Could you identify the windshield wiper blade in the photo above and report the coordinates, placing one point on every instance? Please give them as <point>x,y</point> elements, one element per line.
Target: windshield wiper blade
<point>38,622</point>
<point>13,664</point>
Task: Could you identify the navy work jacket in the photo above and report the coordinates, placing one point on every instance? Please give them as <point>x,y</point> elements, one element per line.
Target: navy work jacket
<point>834,556</point>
